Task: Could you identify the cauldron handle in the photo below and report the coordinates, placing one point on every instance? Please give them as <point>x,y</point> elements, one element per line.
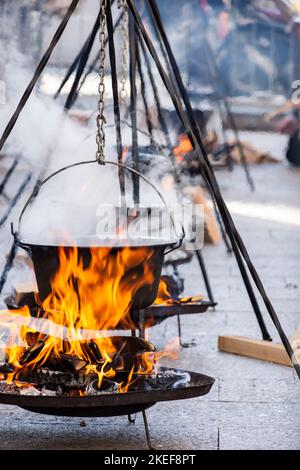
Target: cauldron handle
<point>20,244</point>
<point>39,185</point>
<point>178,245</point>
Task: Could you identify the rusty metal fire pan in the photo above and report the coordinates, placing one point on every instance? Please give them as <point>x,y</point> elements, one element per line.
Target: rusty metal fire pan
<point>111,404</point>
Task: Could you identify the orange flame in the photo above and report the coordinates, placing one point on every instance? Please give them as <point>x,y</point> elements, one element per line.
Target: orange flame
<point>164,297</point>
<point>163,294</point>
<point>184,147</point>
<point>99,296</point>
<point>171,350</point>
<point>96,297</point>
<point>85,303</point>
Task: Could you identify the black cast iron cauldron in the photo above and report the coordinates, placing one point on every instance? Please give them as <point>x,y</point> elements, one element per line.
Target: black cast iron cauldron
<point>46,263</point>
<point>46,257</point>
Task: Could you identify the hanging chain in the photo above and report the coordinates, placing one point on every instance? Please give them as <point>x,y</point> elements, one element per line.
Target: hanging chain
<point>124,41</point>
<point>100,139</point>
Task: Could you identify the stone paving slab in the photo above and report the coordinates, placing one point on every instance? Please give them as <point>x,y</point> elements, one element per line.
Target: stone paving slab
<point>109,434</point>
<point>259,390</point>
<point>260,427</point>
<point>215,425</point>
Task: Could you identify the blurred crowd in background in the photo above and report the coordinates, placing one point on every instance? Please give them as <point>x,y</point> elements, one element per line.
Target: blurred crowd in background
<point>255,45</point>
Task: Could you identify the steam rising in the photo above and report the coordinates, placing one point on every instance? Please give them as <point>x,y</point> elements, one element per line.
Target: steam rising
<point>70,206</point>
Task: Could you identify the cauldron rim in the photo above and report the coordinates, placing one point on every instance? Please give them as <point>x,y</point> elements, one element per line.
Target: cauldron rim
<point>91,243</point>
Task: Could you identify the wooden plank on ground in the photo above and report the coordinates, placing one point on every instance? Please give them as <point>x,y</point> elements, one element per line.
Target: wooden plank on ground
<point>295,343</point>
<point>263,350</point>
<point>211,231</point>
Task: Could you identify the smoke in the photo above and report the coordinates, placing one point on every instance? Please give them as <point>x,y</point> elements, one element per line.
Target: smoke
<point>47,139</point>
<point>43,135</point>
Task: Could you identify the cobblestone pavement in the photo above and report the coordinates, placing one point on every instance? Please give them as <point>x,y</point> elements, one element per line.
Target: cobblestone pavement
<point>253,405</point>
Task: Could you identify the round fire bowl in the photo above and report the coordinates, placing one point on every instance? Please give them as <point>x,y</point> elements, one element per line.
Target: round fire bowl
<point>111,404</point>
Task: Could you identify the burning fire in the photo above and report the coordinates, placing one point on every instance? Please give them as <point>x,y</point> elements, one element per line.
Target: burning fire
<point>99,296</point>
<point>96,298</point>
<point>164,296</point>
<point>184,147</point>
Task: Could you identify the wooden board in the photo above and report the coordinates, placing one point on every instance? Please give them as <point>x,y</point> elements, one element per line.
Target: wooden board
<point>295,342</point>
<point>263,350</point>
<point>211,231</point>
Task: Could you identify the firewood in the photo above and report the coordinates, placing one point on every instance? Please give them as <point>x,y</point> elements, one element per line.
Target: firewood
<point>259,349</point>
<point>211,230</point>
<point>295,342</point>
<point>252,155</point>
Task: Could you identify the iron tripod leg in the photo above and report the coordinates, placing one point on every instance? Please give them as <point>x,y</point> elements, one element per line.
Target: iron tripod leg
<point>265,334</point>
<point>229,161</point>
<point>142,324</point>
<point>147,431</point>
<point>209,293</point>
<point>221,226</point>
<point>142,333</point>
<point>183,345</point>
<point>205,276</point>
<point>132,418</point>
